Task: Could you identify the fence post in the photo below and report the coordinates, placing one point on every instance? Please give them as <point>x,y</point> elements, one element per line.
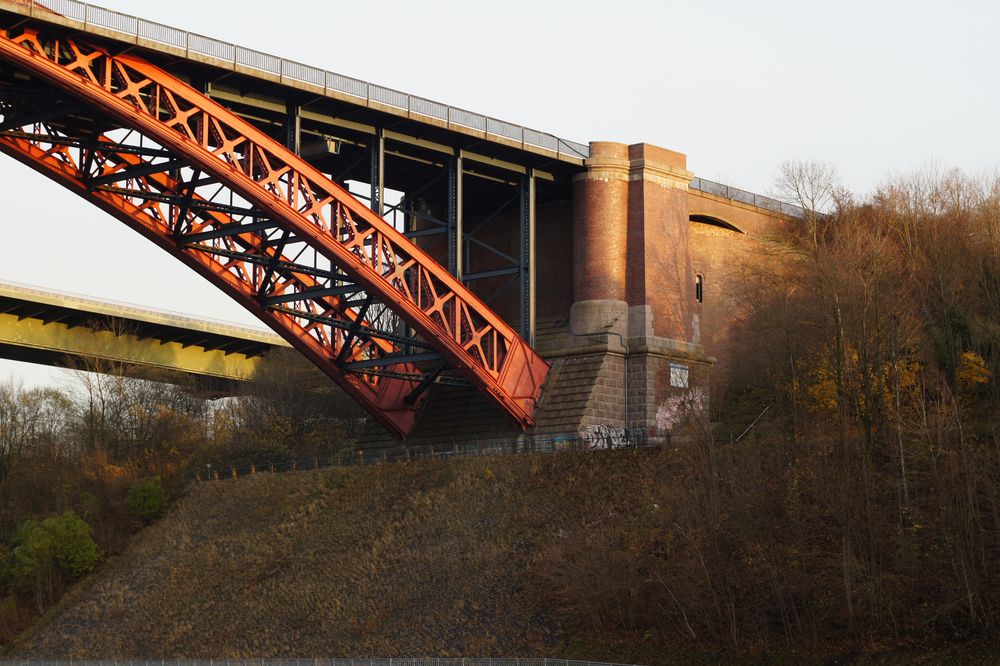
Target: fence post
<point>253,470</point>
<point>272,468</point>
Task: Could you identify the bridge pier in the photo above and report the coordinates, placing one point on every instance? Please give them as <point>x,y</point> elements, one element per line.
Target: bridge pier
<point>631,322</point>
<point>626,352</point>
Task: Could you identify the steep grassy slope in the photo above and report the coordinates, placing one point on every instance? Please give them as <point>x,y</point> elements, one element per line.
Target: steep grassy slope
<point>689,554</point>
<point>418,559</point>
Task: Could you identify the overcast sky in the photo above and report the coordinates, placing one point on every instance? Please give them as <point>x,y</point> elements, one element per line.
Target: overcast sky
<point>875,88</point>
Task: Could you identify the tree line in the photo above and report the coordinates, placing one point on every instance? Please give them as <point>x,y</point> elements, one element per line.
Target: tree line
<point>861,505</point>
<point>85,465</point>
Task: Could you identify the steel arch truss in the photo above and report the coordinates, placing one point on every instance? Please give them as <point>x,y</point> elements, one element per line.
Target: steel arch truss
<point>362,302</point>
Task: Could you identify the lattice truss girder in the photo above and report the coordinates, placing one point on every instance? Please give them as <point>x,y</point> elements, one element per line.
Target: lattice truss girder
<point>342,285</point>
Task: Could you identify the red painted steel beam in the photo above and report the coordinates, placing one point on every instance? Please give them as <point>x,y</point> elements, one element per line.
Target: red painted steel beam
<point>384,399</point>
<point>200,133</point>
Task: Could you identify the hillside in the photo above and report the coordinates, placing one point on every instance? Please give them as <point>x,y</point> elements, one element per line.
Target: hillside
<point>702,553</point>
<point>419,559</point>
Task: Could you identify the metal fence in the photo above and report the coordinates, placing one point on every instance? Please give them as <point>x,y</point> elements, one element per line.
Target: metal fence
<point>743,196</point>
<point>591,438</point>
<point>134,27</point>
<point>393,661</point>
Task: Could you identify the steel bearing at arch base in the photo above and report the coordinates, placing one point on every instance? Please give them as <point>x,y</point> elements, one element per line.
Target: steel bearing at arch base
<point>342,285</point>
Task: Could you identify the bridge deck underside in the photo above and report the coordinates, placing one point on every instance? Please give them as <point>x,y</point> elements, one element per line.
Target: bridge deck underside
<point>37,330</point>
<point>29,307</point>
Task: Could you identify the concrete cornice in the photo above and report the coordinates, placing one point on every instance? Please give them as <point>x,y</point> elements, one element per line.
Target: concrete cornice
<point>567,345</point>
<point>604,167</point>
<point>661,174</point>
<point>667,348</point>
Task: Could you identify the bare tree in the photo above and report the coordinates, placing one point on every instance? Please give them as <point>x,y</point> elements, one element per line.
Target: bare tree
<point>812,185</point>
<point>289,410</point>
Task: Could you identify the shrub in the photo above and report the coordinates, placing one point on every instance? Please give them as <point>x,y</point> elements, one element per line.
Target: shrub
<point>33,552</point>
<point>73,545</point>
<point>62,541</point>
<point>147,500</point>
<point>50,553</point>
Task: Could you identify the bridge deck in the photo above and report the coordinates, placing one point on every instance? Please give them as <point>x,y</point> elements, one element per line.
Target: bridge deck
<point>156,38</point>
<point>289,78</point>
<point>60,329</point>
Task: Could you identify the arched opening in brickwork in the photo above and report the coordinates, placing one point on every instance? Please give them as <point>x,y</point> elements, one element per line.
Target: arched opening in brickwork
<point>715,222</point>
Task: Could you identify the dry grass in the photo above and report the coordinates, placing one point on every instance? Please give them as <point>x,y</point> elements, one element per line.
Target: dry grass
<point>410,559</point>
<point>684,555</point>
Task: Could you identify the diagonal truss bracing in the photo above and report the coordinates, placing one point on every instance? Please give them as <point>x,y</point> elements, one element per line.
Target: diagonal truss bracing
<point>347,289</point>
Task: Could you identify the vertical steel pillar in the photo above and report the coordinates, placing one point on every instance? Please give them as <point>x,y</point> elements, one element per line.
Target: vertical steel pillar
<point>455,225</point>
<point>293,128</point>
<point>527,263</point>
<point>378,172</point>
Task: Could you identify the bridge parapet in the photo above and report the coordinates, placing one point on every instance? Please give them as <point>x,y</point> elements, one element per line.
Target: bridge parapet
<point>164,38</point>
<point>747,197</point>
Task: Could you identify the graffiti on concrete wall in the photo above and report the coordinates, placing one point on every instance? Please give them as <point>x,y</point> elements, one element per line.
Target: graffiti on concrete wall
<point>599,437</point>
<point>603,437</point>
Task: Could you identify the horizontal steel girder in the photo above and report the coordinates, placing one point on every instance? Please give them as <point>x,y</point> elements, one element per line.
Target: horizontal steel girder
<point>320,233</point>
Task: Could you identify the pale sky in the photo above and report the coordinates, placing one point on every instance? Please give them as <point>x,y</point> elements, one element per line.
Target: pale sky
<point>875,88</point>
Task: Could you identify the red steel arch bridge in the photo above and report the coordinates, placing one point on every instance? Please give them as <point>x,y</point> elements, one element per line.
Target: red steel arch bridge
<point>397,242</point>
<point>215,187</point>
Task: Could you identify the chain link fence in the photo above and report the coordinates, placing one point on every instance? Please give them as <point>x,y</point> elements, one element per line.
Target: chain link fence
<point>393,661</point>
<point>591,438</point>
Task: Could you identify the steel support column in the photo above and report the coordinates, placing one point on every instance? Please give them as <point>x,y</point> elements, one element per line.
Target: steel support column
<point>455,230</point>
<point>293,128</point>
<point>527,259</point>
<point>378,172</point>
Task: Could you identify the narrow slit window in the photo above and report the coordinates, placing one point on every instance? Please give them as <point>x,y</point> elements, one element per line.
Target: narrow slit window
<point>699,288</point>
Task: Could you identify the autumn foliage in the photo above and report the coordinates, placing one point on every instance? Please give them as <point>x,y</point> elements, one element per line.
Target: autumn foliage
<point>111,450</point>
<point>843,498</point>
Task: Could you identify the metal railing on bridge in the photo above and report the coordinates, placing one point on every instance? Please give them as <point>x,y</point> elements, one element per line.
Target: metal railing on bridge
<point>134,27</point>
<point>743,196</point>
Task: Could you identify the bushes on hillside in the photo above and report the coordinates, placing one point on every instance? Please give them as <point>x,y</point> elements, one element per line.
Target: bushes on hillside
<point>147,500</point>
<point>48,554</point>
